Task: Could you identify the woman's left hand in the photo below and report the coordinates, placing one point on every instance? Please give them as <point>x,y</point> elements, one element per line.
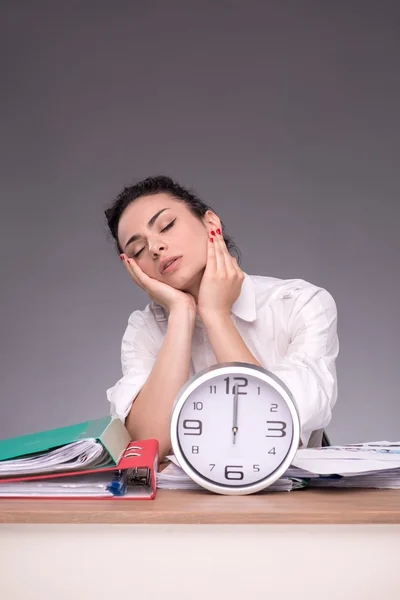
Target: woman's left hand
<point>222,279</point>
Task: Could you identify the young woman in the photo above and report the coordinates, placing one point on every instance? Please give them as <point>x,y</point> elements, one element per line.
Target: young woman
<point>206,310</point>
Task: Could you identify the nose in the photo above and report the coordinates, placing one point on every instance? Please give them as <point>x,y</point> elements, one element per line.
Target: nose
<point>156,246</point>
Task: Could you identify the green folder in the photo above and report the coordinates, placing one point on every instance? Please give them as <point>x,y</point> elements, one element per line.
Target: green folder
<point>109,431</point>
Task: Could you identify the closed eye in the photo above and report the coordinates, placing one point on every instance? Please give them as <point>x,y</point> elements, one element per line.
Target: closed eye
<point>168,226</point>
<point>165,229</point>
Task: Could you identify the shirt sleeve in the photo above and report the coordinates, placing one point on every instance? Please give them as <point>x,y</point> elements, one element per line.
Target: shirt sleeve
<point>309,367</point>
<point>138,355</point>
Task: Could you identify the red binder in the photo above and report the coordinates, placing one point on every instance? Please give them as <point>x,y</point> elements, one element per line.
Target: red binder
<point>136,469</point>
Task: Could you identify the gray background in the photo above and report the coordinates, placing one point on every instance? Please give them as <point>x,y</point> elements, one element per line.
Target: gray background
<point>284,116</point>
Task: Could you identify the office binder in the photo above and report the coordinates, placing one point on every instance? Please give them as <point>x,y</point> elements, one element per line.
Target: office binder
<point>132,478</point>
<point>108,431</point>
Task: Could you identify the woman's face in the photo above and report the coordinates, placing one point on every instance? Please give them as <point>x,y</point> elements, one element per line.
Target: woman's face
<point>158,227</point>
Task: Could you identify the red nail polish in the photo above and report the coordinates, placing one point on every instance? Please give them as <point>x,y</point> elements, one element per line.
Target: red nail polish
<point>213,233</point>
<point>121,257</point>
<point>212,240</point>
<point>219,231</point>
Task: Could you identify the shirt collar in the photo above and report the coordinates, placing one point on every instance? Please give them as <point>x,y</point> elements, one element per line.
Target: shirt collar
<point>244,307</point>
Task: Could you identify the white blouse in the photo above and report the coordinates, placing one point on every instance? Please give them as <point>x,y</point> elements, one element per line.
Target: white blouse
<point>290,326</point>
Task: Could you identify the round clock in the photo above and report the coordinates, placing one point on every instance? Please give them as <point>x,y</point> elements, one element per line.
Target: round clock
<point>234,428</point>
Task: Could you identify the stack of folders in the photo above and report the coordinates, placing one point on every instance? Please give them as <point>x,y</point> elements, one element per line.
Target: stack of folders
<point>94,459</point>
<point>364,465</point>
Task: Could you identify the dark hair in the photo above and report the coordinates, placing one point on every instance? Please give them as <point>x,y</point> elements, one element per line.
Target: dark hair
<point>155,185</point>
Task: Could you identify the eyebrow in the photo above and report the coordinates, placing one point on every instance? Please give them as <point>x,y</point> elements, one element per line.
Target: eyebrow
<point>150,224</point>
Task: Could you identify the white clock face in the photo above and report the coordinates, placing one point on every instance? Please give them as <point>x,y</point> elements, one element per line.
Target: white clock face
<point>234,429</point>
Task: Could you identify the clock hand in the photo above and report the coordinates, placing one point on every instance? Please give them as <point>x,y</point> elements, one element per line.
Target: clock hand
<point>235,415</point>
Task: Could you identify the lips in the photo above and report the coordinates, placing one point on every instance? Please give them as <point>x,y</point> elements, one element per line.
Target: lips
<point>170,266</point>
<point>164,261</point>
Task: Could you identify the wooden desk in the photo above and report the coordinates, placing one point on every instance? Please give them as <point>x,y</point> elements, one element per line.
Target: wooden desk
<point>193,507</point>
<point>332,544</point>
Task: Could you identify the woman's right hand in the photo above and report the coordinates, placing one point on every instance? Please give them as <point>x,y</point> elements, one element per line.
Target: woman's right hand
<point>162,293</point>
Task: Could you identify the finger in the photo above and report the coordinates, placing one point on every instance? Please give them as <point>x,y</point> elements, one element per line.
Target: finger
<point>232,267</point>
<point>134,271</point>
<point>224,254</point>
<point>211,266</point>
<point>219,255</point>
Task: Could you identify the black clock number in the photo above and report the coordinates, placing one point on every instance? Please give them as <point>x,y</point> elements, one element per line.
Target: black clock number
<point>197,406</point>
<point>280,429</point>
<point>195,449</point>
<point>213,389</point>
<point>274,408</point>
<point>212,465</point>
<point>193,426</point>
<point>244,383</point>
<point>272,451</point>
<point>234,474</point>
<point>256,468</point>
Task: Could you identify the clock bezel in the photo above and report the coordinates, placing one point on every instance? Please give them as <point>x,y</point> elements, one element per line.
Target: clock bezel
<point>202,377</point>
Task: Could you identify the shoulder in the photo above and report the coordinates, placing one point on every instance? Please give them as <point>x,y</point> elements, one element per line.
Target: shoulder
<point>143,330</point>
<point>147,316</point>
<point>145,324</point>
<point>296,292</point>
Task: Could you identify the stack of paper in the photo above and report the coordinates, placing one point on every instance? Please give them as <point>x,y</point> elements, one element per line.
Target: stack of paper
<point>74,456</point>
<point>173,477</point>
<point>366,465</point>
